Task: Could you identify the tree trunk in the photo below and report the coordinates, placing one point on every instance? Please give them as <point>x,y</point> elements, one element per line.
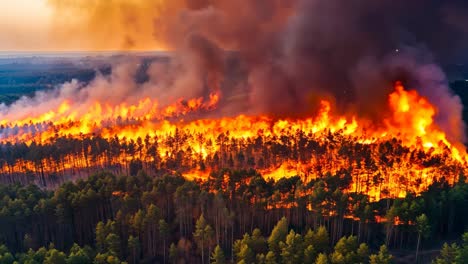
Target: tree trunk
<point>202,252</point>
<point>164,250</point>
<point>417,248</point>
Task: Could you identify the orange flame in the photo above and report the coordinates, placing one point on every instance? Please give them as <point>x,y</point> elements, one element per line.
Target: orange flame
<point>411,122</point>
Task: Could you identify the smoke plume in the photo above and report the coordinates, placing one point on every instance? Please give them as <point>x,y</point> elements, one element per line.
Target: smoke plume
<point>290,54</point>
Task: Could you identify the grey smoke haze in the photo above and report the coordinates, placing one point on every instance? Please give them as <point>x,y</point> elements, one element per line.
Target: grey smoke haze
<point>350,51</point>
<point>293,53</point>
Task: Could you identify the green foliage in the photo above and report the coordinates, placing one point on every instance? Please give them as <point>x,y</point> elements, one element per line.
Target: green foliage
<point>322,259</point>
<point>107,258</point>
<point>163,228</point>
<point>297,248</point>
<point>383,257</point>
<point>246,254</point>
<point>100,236</point>
<point>173,253</point>
<point>3,250</point>
<point>113,244</point>
<point>260,258</point>
<point>217,257</point>
<point>134,248</point>
<point>362,253</point>
<point>422,225</point>
<point>292,251</point>
<point>319,239</point>
<point>39,255</point>
<point>78,255</point>
<point>278,234</point>
<point>337,258</point>
<point>129,214</point>
<point>448,254</point>
<point>270,258</point>
<point>203,235</point>
<point>257,242</point>
<point>55,257</point>
<point>345,251</point>
<point>5,255</point>
<point>462,252</point>
<point>310,254</point>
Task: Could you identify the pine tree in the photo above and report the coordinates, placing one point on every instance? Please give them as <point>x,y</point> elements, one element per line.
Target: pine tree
<point>260,258</point>
<point>217,257</point>
<point>321,240</point>
<point>462,252</point>
<point>164,232</point>
<point>113,244</point>
<point>310,255</point>
<point>55,257</point>
<point>345,250</point>
<point>246,254</point>
<point>423,228</point>
<point>270,258</point>
<point>448,254</point>
<point>337,258</point>
<point>203,235</point>
<point>173,253</point>
<point>258,242</point>
<point>383,257</point>
<point>292,251</point>
<point>107,258</point>
<point>100,237</point>
<point>321,259</point>
<point>200,235</point>
<point>134,248</point>
<point>5,256</point>
<point>78,256</point>
<point>278,234</point>
<point>362,253</point>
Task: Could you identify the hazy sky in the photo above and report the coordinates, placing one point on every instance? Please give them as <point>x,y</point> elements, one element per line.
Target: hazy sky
<point>25,25</point>
<point>78,25</point>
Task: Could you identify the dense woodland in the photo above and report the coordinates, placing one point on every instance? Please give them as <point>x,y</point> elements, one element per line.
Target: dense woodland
<point>92,199</point>
<point>236,216</point>
<point>384,168</point>
<point>154,215</point>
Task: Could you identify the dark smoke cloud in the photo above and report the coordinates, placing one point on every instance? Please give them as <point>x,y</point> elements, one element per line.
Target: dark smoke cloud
<point>350,51</point>
<point>290,54</point>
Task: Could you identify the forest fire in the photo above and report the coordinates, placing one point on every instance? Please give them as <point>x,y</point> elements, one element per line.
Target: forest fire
<point>300,132</point>
<point>405,152</point>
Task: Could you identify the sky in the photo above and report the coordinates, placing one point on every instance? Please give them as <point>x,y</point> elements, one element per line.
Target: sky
<point>142,25</point>
<point>81,25</point>
<point>25,25</point>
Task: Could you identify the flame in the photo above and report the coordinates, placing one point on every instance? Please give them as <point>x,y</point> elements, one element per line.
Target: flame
<point>410,124</point>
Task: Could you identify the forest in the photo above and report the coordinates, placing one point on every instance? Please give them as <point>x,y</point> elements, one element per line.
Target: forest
<point>235,217</point>
<point>233,132</point>
<point>276,195</point>
<point>381,169</point>
<point>192,193</point>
